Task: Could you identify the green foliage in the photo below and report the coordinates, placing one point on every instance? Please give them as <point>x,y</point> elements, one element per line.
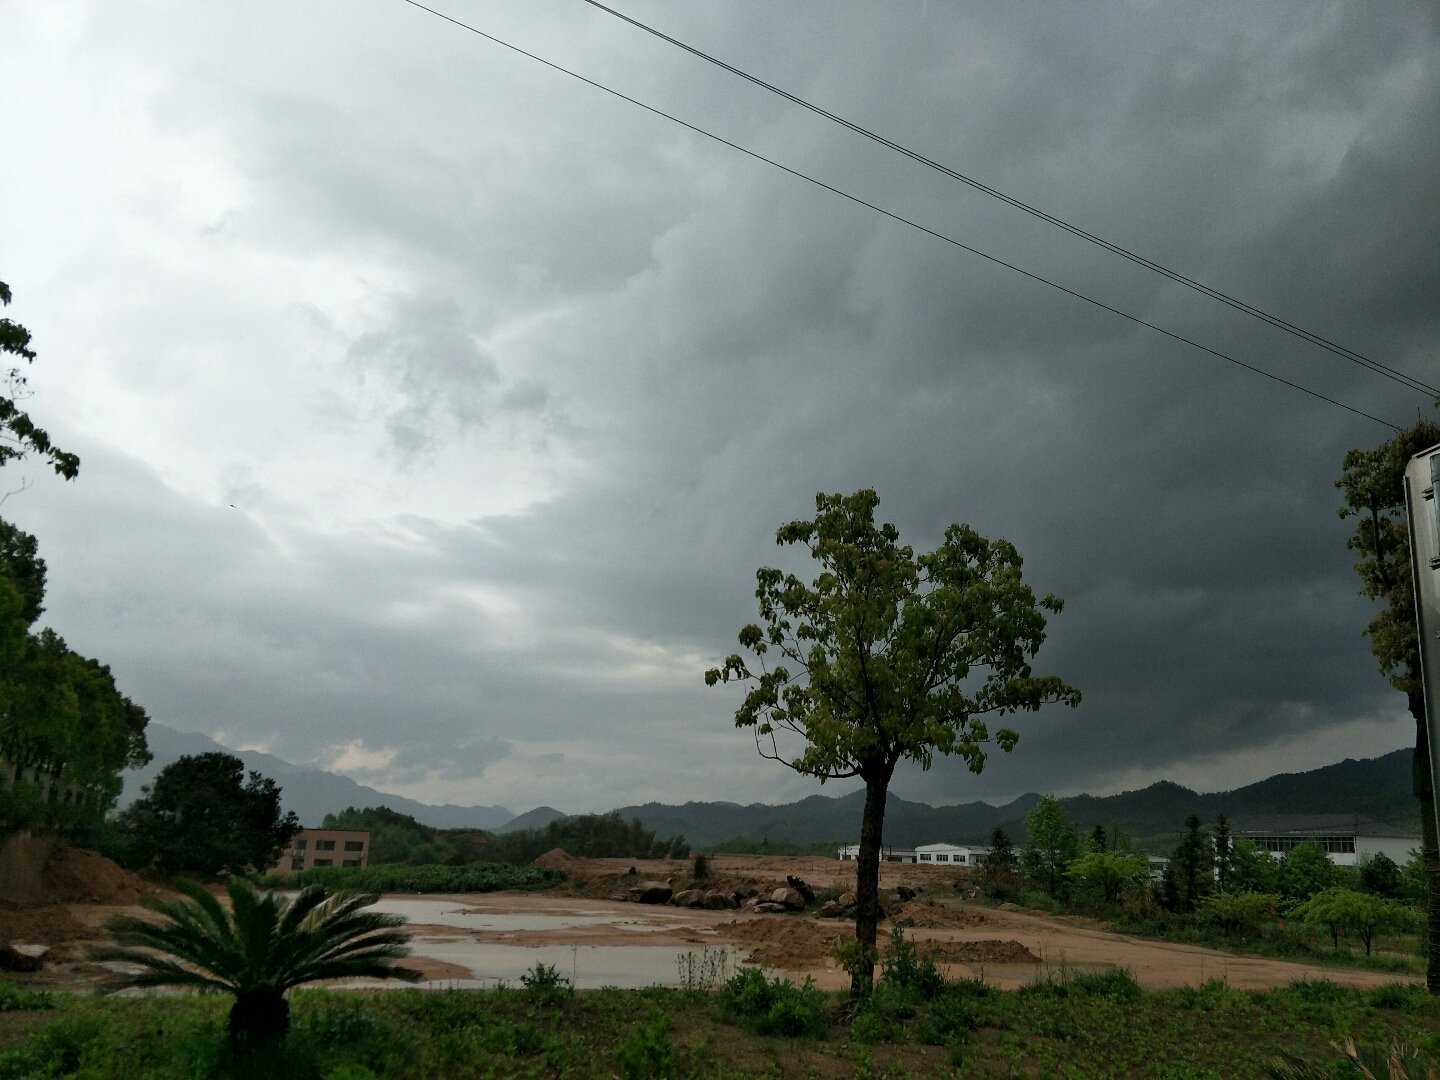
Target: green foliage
<point>1380,875</point>
<point>544,983</point>
<point>700,868</point>
<point>1105,875</point>
<point>774,1006</point>
<point>203,815</point>
<point>590,836</point>
<point>14,998</point>
<point>1188,876</point>
<point>902,966</point>
<point>65,729</point>
<point>1251,869</point>
<point>258,949</point>
<point>19,437</point>
<point>999,877</point>
<point>1304,871</point>
<point>474,878</point>
<point>1050,845</point>
<point>1362,915</point>
<point>703,971</point>
<point>1241,913</point>
<point>887,656</point>
<point>647,1051</point>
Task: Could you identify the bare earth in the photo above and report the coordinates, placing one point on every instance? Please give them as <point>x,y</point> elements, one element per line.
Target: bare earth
<point>1006,948</point>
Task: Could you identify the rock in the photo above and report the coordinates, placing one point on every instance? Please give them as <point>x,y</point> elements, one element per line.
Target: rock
<point>848,898</point>
<point>791,898</point>
<point>716,900</point>
<point>744,892</point>
<point>801,887</point>
<point>904,892</point>
<point>652,892</point>
<point>689,898</point>
<point>18,956</point>
<point>832,909</point>
<point>771,909</point>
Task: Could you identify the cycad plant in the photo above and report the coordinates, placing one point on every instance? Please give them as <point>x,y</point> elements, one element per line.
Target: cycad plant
<point>258,949</point>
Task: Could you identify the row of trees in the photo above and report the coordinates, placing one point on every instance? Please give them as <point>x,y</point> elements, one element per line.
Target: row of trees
<point>66,731</point>
<point>1223,881</point>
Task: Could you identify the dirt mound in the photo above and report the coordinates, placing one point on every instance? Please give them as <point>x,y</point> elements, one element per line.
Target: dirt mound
<point>924,915</point>
<point>76,876</point>
<point>558,859</point>
<point>52,925</point>
<point>790,943</point>
<point>981,952</point>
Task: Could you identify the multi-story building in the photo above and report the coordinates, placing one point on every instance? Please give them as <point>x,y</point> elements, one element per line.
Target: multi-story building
<point>324,847</point>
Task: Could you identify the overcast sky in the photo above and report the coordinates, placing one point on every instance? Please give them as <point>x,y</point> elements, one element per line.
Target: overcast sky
<point>436,409</point>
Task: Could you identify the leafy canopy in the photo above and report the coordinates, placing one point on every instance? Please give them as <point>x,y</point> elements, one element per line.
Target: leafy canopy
<point>19,436</point>
<point>888,655</point>
<point>258,949</point>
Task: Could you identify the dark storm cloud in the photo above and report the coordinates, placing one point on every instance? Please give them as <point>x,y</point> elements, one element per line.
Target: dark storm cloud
<point>490,265</point>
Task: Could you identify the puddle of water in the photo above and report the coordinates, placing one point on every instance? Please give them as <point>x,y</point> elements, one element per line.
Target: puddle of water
<point>629,967</point>
<point>449,913</point>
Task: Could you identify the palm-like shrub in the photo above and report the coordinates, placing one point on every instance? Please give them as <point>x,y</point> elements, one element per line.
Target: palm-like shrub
<point>258,949</point>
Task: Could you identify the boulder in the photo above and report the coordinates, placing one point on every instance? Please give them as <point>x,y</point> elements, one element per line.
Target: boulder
<point>771,909</point>
<point>800,886</point>
<point>689,898</point>
<point>745,892</point>
<point>904,892</point>
<point>717,900</point>
<point>832,909</point>
<point>18,956</point>
<point>652,892</point>
<point>791,898</point>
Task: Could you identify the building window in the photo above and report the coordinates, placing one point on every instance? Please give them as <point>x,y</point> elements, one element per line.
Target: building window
<point>297,863</point>
<point>350,862</point>
<point>354,845</point>
<point>942,858</point>
<point>323,862</point>
<point>924,857</point>
<point>324,845</point>
<point>299,843</point>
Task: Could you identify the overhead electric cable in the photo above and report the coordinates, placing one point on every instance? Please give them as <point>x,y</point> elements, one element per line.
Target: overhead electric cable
<point>1140,260</point>
<point>894,216</point>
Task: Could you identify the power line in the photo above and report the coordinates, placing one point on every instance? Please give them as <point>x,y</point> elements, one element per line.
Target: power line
<point>896,217</point>
<point>1140,260</point>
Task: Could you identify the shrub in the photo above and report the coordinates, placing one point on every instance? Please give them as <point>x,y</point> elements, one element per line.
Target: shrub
<point>544,982</point>
<point>14,998</point>
<point>700,868</point>
<point>647,1051</point>
<point>774,1006</point>
<point>903,966</point>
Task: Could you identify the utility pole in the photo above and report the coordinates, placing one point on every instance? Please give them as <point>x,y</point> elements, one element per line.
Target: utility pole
<point>1422,511</point>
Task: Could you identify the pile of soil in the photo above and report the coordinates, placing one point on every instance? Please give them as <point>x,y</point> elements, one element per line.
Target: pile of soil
<point>924,915</point>
<point>789,943</point>
<point>76,876</point>
<point>559,859</point>
<point>981,952</point>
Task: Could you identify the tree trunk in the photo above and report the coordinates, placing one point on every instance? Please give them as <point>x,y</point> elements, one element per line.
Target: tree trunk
<point>1429,842</point>
<point>867,883</point>
<point>258,1020</point>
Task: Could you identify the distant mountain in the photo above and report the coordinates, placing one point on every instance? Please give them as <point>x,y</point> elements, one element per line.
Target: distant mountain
<point>532,819</point>
<point>1377,788</point>
<point>311,793</point>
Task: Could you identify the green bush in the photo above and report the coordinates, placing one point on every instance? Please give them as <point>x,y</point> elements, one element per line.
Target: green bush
<point>473,878</point>
<point>774,1006</point>
<point>15,998</point>
<point>902,966</point>
<point>647,1051</point>
<point>544,983</point>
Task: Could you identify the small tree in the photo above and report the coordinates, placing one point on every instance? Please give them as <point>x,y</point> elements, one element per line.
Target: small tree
<point>259,949</point>
<point>1251,869</point>
<point>885,657</point>
<point>1380,875</point>
<point>1107,874</point>
<point>1305,871</point>
<point>1357,913</point>
<point>1188,878</point>
<point>998,867</point>
<point>1050,845</point>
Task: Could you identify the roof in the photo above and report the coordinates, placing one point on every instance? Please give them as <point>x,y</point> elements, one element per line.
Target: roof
<point>1318,825</point>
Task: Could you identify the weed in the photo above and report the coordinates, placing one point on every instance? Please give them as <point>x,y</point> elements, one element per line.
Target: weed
<point>703,971</point>
<point>544,983</point>
<point>903,966</point>
<point>700,868</point>
<point>647,1051</point>
<point>15,998</point>
<point>1410,996</point>
<point>1117,984</point>
<point>949,1018</point>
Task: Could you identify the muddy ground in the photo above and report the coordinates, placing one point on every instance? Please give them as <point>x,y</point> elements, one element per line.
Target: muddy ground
<point>1007,947</point>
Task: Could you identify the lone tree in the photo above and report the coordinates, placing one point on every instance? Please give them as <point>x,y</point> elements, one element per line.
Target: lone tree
<point>888,656</point>
<point>1373,483</point>
<point>203,815</point>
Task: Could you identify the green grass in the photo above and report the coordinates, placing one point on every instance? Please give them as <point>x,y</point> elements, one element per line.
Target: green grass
<point>1090,1025</point>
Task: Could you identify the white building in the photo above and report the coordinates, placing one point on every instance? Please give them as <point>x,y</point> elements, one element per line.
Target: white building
<point>1346,838</point>
<point>851,853</point>
<point>951,854</point>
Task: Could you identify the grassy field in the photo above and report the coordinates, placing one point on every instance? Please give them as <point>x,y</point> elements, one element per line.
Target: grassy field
<point>1086,1026</point>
